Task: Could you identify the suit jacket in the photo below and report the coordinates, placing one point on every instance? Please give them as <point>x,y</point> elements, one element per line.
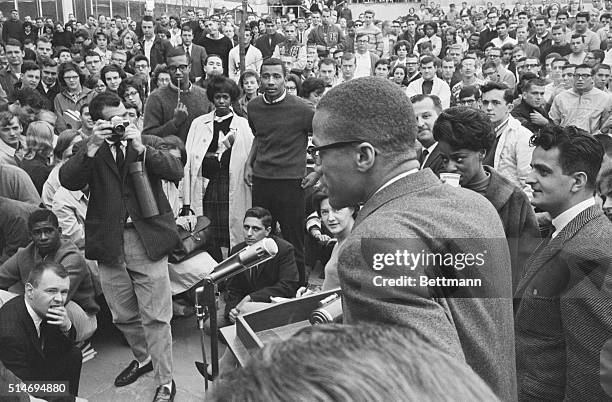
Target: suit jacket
<point>20,348</point>
<point>277,277</point>
<point>434,161</point>
<point>113,197</point>
<point>197,61</point>
<point>564,317</point>
<point>50,94</point>
<point>420,214</point>
<point>159,52</point>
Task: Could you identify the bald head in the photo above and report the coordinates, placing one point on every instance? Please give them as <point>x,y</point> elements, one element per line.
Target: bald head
<point>388,122</point>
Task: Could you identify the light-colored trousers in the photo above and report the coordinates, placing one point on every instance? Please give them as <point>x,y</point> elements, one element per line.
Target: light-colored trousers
<point>137,291</point>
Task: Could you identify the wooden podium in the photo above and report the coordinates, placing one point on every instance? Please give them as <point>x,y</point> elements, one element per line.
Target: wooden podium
<point>275,323</point>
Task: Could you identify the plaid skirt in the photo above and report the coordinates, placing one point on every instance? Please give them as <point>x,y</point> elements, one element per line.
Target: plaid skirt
<point>216,206</point>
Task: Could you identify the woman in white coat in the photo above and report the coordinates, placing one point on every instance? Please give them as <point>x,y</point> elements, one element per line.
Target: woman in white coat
<point>218,145</point>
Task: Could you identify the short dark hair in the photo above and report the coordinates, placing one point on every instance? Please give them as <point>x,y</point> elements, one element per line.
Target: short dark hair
<point>134,82</point>
<point>470,90</point>
<point>29,65</point>
<point>247,74</point>
<point>579,151</point>
<point>464,127</point>
<point>111,68</point>
<point>100,101</point>
<point>273,62</point>
<point>217,84</point>
<point>598,54</point>
<point>311,85</point>
<point>389,124</point>
<point>260,213</point>
<point>42,215</point>
<point>584,14</point>
<point>434,98</point>
<point>47,265</point>
<point>29,97</point>
<point>490,86</point>
<point>13,42</point>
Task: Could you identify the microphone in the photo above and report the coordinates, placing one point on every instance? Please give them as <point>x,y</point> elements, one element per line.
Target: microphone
<point>246,258</point>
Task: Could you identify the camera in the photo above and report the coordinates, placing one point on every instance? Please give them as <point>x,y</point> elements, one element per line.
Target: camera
<point>119,126</point>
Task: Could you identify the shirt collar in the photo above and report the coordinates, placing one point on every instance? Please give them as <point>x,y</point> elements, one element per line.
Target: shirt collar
<point>6,148</point>
<point>111,144</point>
<point>500,128</point>
<point>396,178</point>
<point>35,317</point>
<point>568,215</point>
<point>277,100</point>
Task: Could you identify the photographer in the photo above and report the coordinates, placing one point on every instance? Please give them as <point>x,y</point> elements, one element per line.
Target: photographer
<point>130,246</point>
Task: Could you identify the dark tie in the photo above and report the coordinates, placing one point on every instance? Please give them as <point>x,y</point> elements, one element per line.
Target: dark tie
<point>119,158</point>
<point>423,156</point>
<point>188,53</point>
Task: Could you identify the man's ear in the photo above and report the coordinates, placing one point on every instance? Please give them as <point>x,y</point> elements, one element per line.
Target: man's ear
<point>364,157</point>
<point>580,181</point>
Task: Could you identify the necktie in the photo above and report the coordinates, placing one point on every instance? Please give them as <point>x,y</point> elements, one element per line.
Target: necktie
<point>188,53</point>
<point>119,158</point>
<point>423,156</point>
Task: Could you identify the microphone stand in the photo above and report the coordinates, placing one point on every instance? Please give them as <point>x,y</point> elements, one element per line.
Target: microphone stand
<point>209,309</point>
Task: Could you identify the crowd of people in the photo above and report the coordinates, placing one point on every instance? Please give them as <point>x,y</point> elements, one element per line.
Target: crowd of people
<point>344,138</point>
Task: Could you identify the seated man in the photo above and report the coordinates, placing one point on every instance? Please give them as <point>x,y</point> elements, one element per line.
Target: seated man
<point>36,335</point>
<point>250,289</point>
<point>352,363</point>
<point>47,245</point>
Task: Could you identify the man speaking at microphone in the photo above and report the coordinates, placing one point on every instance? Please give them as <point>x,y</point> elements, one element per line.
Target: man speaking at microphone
<point>249,290</point>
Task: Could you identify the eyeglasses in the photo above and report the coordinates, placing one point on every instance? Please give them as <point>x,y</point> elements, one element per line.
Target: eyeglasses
<point>71,77</point>
<point>315,151</point>
<point>531,65</point>
<point>291,88</point>
<point>131,93</point>
<point>182,67</point>
<point>582,76</point>
<point>141,66</point>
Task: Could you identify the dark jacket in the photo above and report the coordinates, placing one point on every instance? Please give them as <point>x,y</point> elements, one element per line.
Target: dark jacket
<point>159,51</point>
<point>266,43</point>
<point>517,216</point>
<point>12,29</point>
<point>277,277</point>
<point>564,316</point>
<point>18,267</point>
<point>50,94</point>
<point>113,197</point>
<point>434,161</point>
<point>486,36</point>
<point>20,347</point>
<point>38,169</point>
<point>522,113</point>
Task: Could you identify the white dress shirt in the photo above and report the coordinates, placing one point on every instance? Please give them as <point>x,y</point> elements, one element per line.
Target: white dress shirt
<point>567,216</point>
<point>35,317</point>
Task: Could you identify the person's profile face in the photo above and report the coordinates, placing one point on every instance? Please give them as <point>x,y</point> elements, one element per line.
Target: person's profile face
<point>254,230</point>
<point>551,187</point>
<point>605,194</point>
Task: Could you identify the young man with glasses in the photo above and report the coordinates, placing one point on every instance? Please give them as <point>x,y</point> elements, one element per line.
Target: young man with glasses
<point>505,75</point>
<point>582,106</point>
<point>170,110</point>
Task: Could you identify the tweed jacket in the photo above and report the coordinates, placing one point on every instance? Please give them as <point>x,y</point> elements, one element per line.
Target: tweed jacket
<point>113,197</point>
<point>564,317</point>
<point>419,214</point>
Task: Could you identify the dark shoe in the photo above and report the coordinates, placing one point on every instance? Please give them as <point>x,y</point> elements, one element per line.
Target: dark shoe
<point>131,373</point>
<point>162,394</point>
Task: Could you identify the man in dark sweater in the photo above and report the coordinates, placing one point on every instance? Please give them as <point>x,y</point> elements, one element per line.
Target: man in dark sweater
<point>13,28</point>
<point>215,43</point>
<point>266,43</point>
<point>170,110</point>
<point>277,163</point>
